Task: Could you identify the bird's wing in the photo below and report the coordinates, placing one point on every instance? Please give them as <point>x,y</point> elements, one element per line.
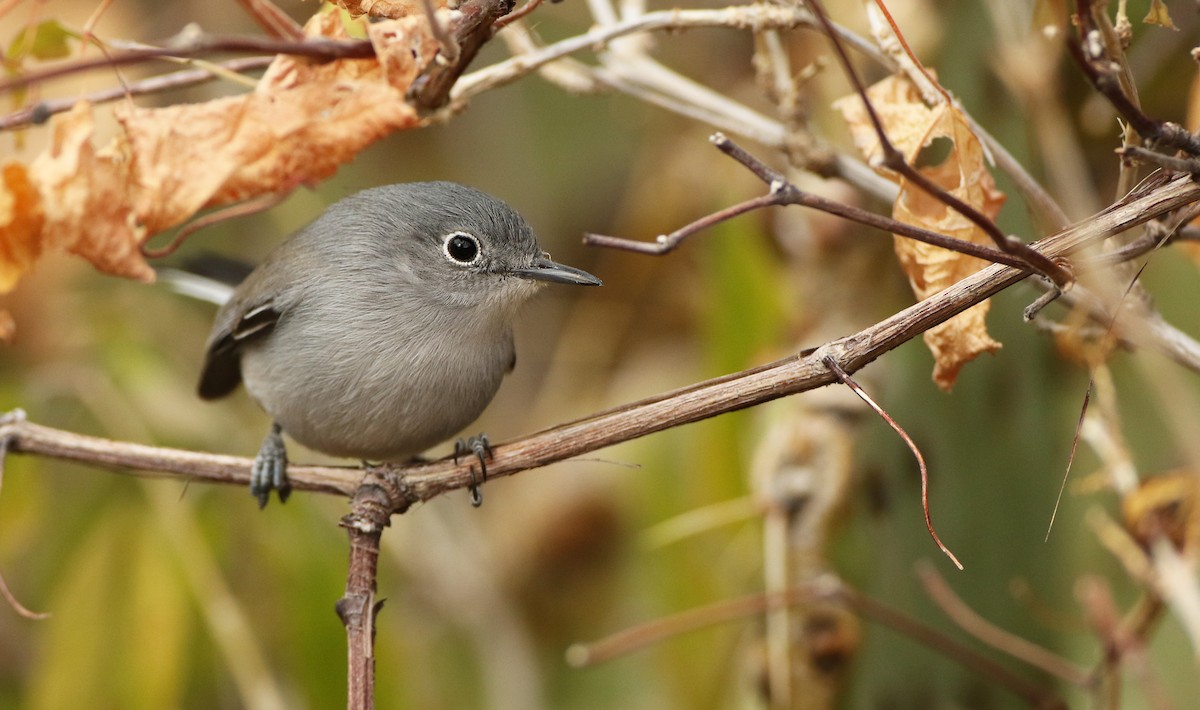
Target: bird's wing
<point>237,324</point>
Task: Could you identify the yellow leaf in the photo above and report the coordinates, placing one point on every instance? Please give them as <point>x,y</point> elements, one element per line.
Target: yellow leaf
<point>911,127</point>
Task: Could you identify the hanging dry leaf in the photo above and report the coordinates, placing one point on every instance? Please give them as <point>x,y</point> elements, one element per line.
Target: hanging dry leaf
<point>912,126</point>
<point>1159,15</point>
<point>301,122</point>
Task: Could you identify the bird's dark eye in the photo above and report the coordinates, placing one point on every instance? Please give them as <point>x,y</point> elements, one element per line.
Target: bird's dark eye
<point>461,248</point>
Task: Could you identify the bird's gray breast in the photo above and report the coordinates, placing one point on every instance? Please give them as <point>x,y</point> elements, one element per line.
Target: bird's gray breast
<point>382,374</point>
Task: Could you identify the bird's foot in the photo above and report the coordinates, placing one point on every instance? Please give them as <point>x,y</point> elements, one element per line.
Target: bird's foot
<point>270,469</point>
<point>482,449</point>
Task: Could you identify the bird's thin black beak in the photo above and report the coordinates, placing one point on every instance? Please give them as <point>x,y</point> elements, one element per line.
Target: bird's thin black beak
<point>544,269</point>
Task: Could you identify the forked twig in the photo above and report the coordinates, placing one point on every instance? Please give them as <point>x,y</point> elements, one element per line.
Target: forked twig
<point>912,446</point>
<point>782,193</point>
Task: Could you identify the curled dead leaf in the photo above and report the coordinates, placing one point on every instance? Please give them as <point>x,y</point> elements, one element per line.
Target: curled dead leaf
<point>302,121</point>
<point>914,128</point>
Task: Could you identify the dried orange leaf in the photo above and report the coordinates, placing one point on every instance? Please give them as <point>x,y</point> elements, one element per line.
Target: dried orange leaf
<point>301,122</point>
<point>20,225</point>
<point>85,197</point>
<point>912,127</point>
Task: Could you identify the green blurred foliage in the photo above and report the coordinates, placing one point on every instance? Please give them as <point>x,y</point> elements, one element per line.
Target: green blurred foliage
<point>168,594</point>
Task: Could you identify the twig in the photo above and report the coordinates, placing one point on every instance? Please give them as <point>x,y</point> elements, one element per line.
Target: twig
<point>912,446</point>
<point>369,515</point>
<point>782,192</point>
<point>5,592</point>
<point>667,242</point>
<point>971,622</point>
<point>797,373</point>
<point>1103,74</point>
<point>273,20</point>
<point>1096,600</point>
<point>234,211</point>
<point>830,589</point>
<point>1057,272</point>
<point>515,15</point>
<point>1189,166</point>
<point>446,43</point>
<point>326,49</point>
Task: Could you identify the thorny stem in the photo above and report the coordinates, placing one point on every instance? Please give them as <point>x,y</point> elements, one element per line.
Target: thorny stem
<point>1057,272</point>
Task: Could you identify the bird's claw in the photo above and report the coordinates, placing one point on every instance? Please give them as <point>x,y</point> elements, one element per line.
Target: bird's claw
<point>482,449</point>
<point>270,469</point>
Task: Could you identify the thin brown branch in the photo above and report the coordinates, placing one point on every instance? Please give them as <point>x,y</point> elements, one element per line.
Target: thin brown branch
<point>828,589</point>
<point>321,49</point>
<point>1096,599</point>
<point>894,160</point>
<point>804,371</point>
<point>17,606</point>
<point>667,242</point>
<point>515,15</point>
<point>43,110</point>
<point>273,20</point>
<point>358,607</point>
<point>781,192</point>
<point>234,211</point>
<point>971,622</point>
<point>912,446</point>
<point>1189,166</point>
<point>1104,75</point>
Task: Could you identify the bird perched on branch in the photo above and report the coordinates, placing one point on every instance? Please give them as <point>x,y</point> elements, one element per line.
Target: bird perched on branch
<point>383,327</point>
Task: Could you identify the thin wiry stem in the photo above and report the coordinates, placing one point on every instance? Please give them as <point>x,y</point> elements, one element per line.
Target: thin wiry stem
<point>912,446</point>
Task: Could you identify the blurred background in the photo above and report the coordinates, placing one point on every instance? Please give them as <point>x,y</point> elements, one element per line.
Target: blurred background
<point>166,594</point>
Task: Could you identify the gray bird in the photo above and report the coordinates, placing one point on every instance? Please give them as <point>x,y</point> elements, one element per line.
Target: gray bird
<point>382,328</point>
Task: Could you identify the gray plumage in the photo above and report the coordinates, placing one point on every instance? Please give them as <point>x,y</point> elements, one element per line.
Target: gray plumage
<point>385,326</point>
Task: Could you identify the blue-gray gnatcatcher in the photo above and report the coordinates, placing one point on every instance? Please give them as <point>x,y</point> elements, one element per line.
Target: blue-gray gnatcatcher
<point>383,327</point>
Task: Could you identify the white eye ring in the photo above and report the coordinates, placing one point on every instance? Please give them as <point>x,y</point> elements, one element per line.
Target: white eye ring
<point>462,249</point>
